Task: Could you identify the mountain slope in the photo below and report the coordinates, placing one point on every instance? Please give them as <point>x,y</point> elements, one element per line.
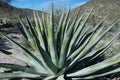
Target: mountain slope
<point>9,11</point>
<point>102,8</point>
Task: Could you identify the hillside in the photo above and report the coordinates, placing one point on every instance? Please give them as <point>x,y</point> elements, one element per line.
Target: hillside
<point>9,11</point>
<point>102,8</point>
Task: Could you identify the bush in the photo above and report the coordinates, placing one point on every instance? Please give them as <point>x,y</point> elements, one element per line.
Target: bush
<point>5,23</point>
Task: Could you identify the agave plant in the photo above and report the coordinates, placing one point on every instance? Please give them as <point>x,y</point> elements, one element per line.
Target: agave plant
<point>64,54</point>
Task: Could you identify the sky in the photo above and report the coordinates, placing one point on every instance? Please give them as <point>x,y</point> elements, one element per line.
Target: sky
<point>45,4</point>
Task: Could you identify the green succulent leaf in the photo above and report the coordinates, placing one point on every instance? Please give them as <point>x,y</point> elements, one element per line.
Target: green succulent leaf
<point>95,67</point>
<point>19,75</point>
<point>51,40</point>
<point>18,68</point>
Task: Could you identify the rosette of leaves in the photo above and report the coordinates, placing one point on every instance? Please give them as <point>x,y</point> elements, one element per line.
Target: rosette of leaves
<point>66,53</point>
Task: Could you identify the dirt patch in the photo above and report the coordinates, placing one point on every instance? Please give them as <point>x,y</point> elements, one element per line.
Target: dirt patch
<point>4,44</point>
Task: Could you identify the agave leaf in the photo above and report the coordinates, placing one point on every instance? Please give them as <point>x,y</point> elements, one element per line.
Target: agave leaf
<point>97,37</point>
<point>100,34</point>
<point>95,53</point>
<point>18,68</point>
<point>81,24</point>
<point>78,22</point>
<point>30,55</point>
<point>84,49</point>
<point>38,30</point>
<point>65,43</point>
<point>29,35</point>
<point>106,72</point>
<point>94,68</point>
<point>94,40</point>
<point>64,25</point>
<point>31,27</point>
<point>51,39</point>
<point>100,50</point>
<point>70,59</point>
<point>33,36</point>
<point>78,31</point>
<point>19,75</point>
<point>58,33</point>
<point>75,53</point>
<point>44,22</point>
<point>82,37</point>
<point>45,56</point>
<point>67,25</point>
<point>28,61</point>
<point>45,33</point>
<point>50,78</point>
<point>73,39</point>
<point>23,29</point>
<point>60,22</point>
<point>23,33</point>
<point>47,63</point>
<point>26,52</point>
